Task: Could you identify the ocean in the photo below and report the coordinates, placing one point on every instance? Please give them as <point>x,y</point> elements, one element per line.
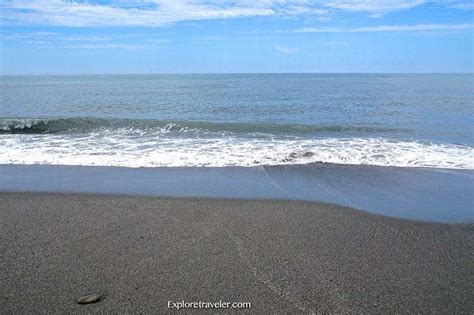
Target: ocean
<point>220,120</point>
<point>399,145</point>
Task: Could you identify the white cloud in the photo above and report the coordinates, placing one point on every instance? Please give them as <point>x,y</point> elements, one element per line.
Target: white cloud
<point>157,13</point>
<point>21,36</point>
<point>51,40</point>
<point>389,28</point>
<point>333,43</point>
<point>286,50</point>
<point>209,38</point>
<point>376,15</point>
<point>151,13</point>
<point>463,6</point>
<point>110,46</point>
<point>374,6</point>
<point>86,38</point>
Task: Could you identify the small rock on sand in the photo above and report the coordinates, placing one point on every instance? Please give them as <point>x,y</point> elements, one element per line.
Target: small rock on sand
<point>88,299</point>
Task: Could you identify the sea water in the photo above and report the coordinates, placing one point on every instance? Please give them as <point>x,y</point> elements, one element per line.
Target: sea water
<point>219,120</point>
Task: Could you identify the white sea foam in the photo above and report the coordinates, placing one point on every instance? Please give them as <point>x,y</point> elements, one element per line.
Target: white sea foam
<point>137,149</point>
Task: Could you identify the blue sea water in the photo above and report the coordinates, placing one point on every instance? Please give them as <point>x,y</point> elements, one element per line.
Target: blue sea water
<point>394,144</point>
<point>404,120</point>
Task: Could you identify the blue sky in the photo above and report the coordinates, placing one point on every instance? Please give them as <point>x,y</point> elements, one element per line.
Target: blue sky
<point>189,36</point>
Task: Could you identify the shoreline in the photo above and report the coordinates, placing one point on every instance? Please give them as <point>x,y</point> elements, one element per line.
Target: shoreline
<point>223,199</point>
<point>281,256</point>
<point>439,195</point>
<point>315,164</point>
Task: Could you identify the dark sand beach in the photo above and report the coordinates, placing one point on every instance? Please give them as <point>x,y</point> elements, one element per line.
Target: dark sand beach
<point>281,256</point>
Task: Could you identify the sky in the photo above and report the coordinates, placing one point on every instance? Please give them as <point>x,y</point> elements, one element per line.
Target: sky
<point>243,36</point>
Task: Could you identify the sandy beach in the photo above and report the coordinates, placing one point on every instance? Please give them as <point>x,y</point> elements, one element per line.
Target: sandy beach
<point>139,253</point>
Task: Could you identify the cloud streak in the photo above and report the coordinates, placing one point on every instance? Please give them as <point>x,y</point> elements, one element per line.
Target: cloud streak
<point>463,6</point>
<point>389,28</point>
<point>286,50</point>
<point>158,13</point>
<point>371,6</point>
<point>149,13</point>
<point>111,46</point>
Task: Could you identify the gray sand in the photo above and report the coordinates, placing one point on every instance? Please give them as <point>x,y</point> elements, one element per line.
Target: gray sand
<point>282,256</point>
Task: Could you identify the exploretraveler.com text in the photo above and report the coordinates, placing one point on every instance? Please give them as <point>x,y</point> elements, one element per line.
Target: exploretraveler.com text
<point>208,305</point>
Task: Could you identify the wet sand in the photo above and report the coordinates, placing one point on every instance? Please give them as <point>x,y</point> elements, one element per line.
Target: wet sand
<point>439,195</point>
<point>281,256</point>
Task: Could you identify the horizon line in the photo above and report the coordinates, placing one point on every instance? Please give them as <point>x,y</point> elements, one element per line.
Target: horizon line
<point>213,73</point>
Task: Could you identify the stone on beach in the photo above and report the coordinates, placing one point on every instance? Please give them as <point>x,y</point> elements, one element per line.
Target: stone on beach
<point>88,299</point>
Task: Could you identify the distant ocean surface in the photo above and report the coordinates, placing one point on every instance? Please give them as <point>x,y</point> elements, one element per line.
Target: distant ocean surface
<point>217,120</point>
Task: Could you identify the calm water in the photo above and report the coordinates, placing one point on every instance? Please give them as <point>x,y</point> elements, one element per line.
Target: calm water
<point>238,119</point>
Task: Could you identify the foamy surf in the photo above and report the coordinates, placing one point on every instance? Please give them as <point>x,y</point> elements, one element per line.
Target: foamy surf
<point>169,146</point>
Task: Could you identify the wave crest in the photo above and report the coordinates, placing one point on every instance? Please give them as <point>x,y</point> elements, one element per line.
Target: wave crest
<point>91,124</point>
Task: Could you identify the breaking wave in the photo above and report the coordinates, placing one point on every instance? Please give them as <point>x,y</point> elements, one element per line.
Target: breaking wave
<point>90,124</point>
<point>198,144</point>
